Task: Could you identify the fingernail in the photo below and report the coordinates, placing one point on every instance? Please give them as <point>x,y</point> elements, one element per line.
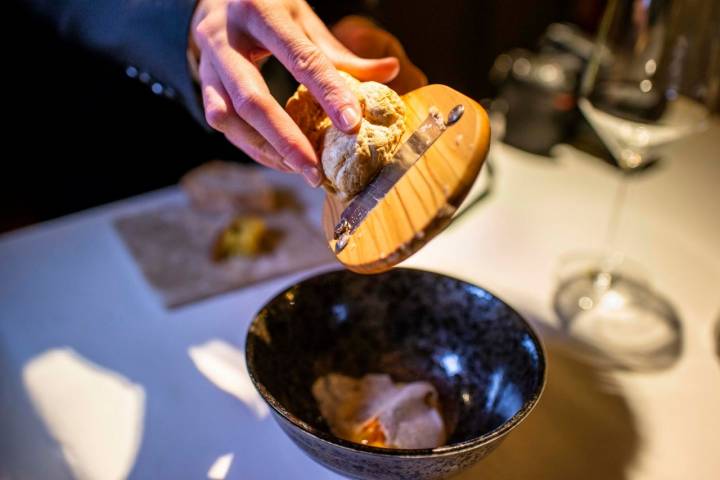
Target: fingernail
<point>312,176</point>
<point>349,118</point>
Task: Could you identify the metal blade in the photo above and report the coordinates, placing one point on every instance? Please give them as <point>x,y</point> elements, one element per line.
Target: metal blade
<point>405,157</point>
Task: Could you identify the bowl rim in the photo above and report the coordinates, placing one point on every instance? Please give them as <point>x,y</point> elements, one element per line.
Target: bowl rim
<point>486,438</point>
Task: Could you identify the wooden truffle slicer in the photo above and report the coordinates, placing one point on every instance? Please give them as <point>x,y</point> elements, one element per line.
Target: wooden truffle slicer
<point>415,196</point>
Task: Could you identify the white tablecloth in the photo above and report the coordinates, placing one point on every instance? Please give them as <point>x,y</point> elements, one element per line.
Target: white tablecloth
<point>98,380</point>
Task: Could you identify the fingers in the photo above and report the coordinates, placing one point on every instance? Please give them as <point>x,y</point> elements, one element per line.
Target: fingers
<point>220,115</point>
<point>252,102</point>
<point>364,38</point>
<point>247,47</point>
<point>234,37</point>
<point>381,70</point>
<point>279,33</point>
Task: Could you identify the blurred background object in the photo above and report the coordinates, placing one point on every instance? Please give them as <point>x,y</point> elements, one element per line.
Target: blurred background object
<point>538,91</point>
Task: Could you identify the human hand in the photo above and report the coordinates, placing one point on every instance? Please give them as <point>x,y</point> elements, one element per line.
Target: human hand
<point>366,39</point>
<point>232,36</point>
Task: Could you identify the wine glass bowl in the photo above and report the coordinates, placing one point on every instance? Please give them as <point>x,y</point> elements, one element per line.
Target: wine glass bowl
<point>650,79</point>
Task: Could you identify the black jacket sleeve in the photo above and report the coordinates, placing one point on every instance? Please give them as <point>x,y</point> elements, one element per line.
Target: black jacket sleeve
<point>149,37</point>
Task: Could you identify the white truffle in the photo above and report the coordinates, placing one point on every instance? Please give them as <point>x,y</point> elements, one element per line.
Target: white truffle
<point>350,161</point>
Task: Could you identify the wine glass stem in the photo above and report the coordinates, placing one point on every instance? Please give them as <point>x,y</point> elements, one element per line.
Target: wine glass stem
<point>616,212</point>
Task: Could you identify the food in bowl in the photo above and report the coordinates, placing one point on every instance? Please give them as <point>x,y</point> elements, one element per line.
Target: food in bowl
<point>373,410</point>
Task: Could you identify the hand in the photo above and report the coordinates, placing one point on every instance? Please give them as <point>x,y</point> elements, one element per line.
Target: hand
<point>232,36</point>
<point>367,40</point>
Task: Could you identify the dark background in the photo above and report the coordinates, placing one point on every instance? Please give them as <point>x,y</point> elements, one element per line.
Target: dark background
<point>82,134</point>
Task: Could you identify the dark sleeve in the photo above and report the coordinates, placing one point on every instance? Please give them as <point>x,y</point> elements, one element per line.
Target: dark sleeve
<point>148,37</point>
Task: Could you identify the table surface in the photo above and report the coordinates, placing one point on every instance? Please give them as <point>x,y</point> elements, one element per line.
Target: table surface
<point>73,300</point>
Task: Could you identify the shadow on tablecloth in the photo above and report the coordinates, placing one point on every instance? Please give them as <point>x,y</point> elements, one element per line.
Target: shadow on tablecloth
<point>582,428</point>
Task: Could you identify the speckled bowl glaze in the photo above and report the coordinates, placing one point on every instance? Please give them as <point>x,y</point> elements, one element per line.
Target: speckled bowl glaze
<point>484,359</point>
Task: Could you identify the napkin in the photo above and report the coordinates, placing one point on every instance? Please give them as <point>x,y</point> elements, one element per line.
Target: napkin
<point>172,245</point>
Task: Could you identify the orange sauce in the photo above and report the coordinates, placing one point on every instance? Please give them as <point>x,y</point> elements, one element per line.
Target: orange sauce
<point>371,433</point>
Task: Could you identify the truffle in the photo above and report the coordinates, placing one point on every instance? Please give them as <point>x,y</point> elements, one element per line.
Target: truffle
<point>351,160</point>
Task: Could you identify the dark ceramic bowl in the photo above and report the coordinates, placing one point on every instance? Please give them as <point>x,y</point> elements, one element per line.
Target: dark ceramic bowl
<point>483,358</point>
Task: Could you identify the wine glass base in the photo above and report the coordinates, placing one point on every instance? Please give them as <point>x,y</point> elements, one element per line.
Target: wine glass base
<point>621,318</point>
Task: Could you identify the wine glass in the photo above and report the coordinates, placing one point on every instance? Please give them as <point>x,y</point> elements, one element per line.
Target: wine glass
<point>652,79</point>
